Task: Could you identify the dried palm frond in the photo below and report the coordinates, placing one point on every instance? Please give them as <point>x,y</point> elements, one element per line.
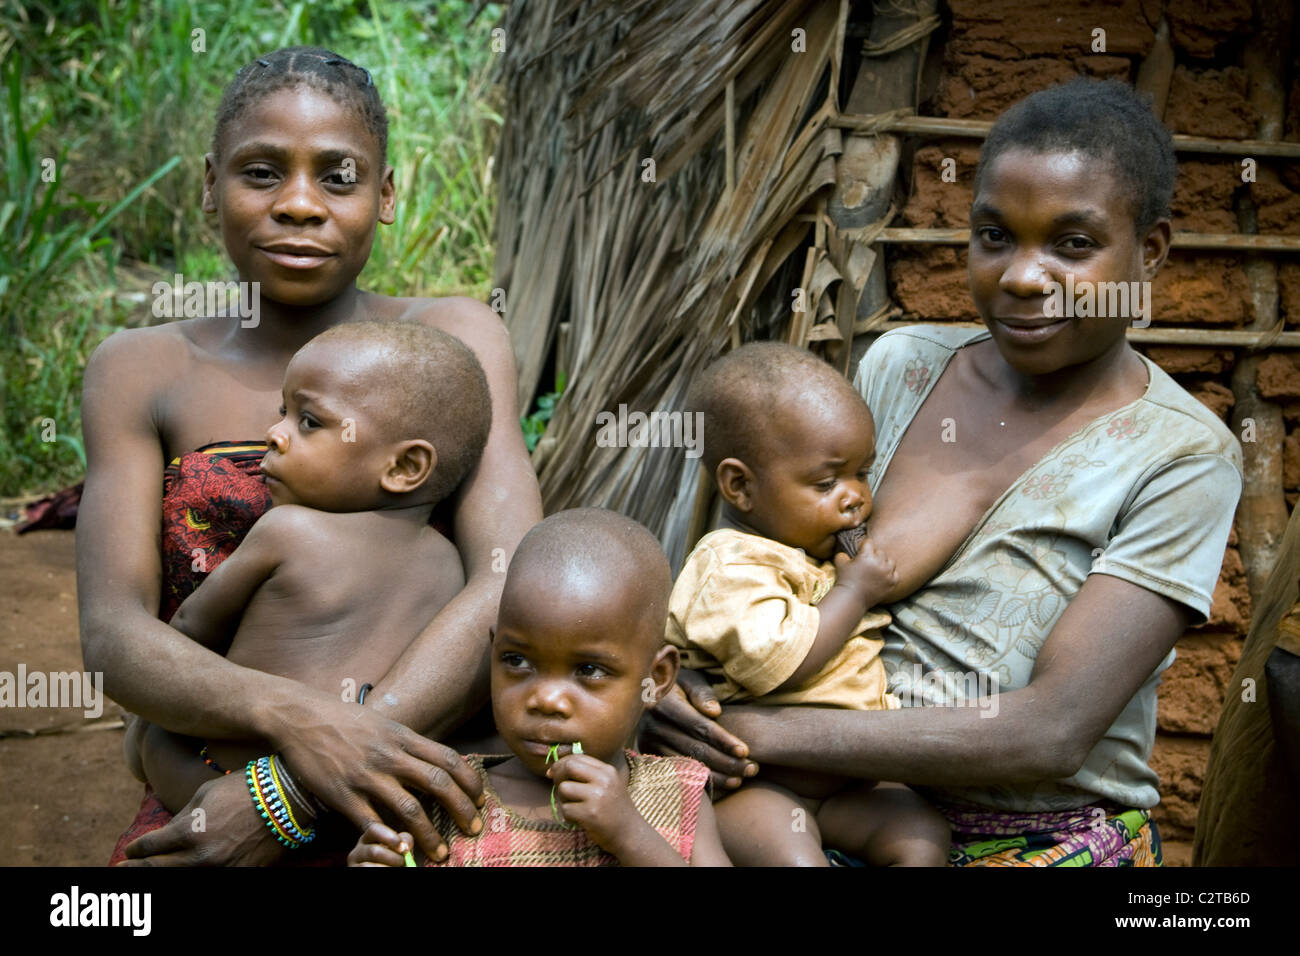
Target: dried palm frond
<point>615,217</point>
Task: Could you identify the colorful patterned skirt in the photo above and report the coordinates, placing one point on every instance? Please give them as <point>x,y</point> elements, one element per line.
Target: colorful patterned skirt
<point>1088,836</point>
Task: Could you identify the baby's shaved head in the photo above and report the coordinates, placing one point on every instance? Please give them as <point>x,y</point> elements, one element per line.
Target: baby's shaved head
<point>593,558</point>
<point>751,392</point>
<point>415,382</point>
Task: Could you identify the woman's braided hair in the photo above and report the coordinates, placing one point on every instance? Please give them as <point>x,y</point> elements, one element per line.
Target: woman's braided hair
<point>312,67</point>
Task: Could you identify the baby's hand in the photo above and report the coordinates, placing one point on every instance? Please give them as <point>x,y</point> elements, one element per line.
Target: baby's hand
<point>381,846</point>
<point>871,573</point>
<point>591,795</point>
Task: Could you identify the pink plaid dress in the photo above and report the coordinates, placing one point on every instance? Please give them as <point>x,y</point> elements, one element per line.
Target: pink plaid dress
<point>665,790</point>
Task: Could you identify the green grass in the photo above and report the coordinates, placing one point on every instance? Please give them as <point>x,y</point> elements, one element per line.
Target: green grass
<point>534,424</point>
<point>114,93</point>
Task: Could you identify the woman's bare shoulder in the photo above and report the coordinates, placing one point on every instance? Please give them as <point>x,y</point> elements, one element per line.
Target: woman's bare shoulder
<point>467,319</point>
<point>162,350</point>
<point>125,387</point>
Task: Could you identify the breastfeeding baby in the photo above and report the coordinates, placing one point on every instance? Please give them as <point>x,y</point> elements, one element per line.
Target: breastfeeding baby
<point>764,611</point>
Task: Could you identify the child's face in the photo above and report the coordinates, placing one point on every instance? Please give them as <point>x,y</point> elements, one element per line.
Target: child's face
<point>1037,218</point>
<point>325,451</point>
<point>816,484</point>
<point>298,190</point>
<point>568,669</point>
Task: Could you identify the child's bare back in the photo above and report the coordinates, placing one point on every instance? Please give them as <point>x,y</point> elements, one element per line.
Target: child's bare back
<point>345,596</point>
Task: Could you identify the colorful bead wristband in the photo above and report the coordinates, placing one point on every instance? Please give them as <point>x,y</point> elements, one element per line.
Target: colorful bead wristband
<point>270,800</point>
<point>210,762</point>
<point>298,797</point>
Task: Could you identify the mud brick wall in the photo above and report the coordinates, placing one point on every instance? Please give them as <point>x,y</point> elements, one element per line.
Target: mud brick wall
<point>993,53</point>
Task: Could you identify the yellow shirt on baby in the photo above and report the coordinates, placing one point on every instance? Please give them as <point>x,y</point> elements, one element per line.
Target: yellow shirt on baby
<point>744,610</point>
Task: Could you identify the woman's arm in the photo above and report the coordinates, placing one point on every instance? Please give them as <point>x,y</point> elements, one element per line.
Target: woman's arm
<point>1108,641</point>
<point>148,667</point>
<point>442,678</point>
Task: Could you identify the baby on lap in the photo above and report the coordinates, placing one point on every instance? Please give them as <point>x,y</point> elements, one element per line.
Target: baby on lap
<point>380,422</point>
<point>762,609</point>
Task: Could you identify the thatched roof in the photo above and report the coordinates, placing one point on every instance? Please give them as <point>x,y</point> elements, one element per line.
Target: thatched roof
<point>645,282</point>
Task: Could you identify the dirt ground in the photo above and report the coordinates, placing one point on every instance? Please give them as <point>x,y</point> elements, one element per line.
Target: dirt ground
<point>66,797</point>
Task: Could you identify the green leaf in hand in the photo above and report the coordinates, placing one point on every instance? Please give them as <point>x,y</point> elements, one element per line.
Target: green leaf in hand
<point>552,755</point>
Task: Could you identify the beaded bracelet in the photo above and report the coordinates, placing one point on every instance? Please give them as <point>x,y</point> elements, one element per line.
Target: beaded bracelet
<point>278,777</point>
<point>269,799</point>
<point>297,796</point>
